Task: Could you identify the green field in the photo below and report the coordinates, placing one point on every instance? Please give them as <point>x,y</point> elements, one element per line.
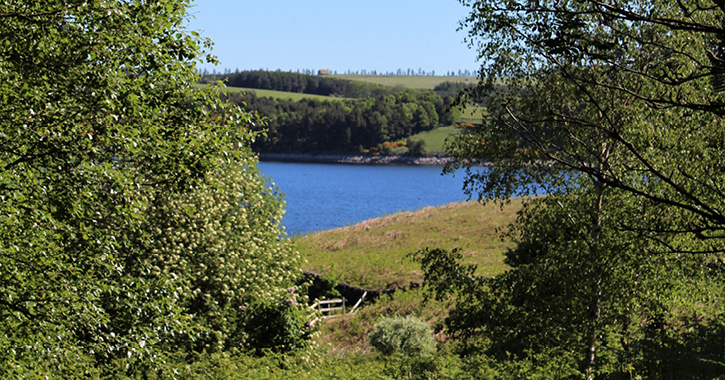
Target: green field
<point>373,253</point>
<point>435,138</point>
<point>416,82</point>
<point>472,115</point>
<point>294,96</point>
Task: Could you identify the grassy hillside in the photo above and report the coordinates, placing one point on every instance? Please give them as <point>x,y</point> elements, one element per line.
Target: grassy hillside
<point>472,115</point>
<point>373,253</point>
<point>417,82</point>
<point>435,139</point>
<point>278,94</point>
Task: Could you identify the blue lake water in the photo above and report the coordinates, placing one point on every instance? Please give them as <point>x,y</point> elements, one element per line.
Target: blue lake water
<point>325,196</point>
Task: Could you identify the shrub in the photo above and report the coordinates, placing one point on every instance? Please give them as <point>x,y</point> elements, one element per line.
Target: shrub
<point>225,240</point>
<point>96,128</point>
<point>409,336</point>
<point>277,326</point>
<point>415,147</point>
<point>441,366</point>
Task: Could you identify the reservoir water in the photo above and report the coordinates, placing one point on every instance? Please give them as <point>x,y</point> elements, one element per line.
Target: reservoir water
<point>326,196</point>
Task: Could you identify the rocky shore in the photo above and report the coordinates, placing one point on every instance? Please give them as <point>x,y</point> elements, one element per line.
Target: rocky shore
<point>355,159</point>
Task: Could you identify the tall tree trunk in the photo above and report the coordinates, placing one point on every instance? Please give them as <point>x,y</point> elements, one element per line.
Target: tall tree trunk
<point>595,306</point>
<point>591,353</point>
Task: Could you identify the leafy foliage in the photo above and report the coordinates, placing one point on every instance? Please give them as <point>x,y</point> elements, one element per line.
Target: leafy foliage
<point>604,108</point>
<point>405,335</point>
<point>282,366</point>
<point>277,325</point>
<point>226,241</point>
<point>642,69</point>
<point>309,125</point>
<point>102,137</point>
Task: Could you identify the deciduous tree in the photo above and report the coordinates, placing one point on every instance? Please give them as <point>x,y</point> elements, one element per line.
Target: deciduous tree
<point>608,109</point>
<point>99,124</point>
<point>662,59</point>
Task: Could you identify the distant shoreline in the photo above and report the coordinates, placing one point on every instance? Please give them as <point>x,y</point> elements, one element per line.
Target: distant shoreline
<point>355,159</point>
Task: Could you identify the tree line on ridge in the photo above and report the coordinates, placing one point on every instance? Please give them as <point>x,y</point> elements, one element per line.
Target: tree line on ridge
<point>372,116</point>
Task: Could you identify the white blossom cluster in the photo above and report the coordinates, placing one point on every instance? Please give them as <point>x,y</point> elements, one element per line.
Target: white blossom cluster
<point>225,239</point>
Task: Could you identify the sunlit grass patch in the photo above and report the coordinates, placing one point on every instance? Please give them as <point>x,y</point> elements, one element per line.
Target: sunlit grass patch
<point>415,82</point>
<point>373,253</point>
<point>435,139</point>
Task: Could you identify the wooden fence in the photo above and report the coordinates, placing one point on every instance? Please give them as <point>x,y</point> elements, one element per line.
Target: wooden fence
<point>328,307</point>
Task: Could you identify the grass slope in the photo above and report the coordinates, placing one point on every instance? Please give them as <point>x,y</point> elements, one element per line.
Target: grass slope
<point>472,115</point>
<point>416,82</point>
<point>373,253</point>
<point>435,139</point>
<point>294,96</point>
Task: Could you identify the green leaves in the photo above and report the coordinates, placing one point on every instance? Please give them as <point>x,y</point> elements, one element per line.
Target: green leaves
<point>224,238</point>
<point>408,336</point>
<point>99,123</point>
<point>608,110</point>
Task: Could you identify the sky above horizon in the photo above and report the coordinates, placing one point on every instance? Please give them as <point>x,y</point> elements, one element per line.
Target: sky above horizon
<point>338,35</point>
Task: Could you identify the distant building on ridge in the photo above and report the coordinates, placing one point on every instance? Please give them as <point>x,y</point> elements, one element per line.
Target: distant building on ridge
<point>324,72</point>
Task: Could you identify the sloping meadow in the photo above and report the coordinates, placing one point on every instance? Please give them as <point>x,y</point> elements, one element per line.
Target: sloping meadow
<point>373,254</point>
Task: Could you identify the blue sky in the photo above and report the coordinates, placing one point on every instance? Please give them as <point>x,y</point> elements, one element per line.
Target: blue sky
<point>340,35</point>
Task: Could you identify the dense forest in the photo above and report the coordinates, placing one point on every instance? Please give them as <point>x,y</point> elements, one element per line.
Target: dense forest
<point>373,116</point>
<point>302,83</point>
<point>310,125</point>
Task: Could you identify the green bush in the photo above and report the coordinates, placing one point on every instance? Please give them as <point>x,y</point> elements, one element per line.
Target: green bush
<point>416,148</point>
<point>409,336</point>
<point>324,288</point>
<point>225,240</point>
<point>97,125</point>
<point>278,326</point>
<point>277,366</point>
<point>441,366</point>
<point>133,220</point>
